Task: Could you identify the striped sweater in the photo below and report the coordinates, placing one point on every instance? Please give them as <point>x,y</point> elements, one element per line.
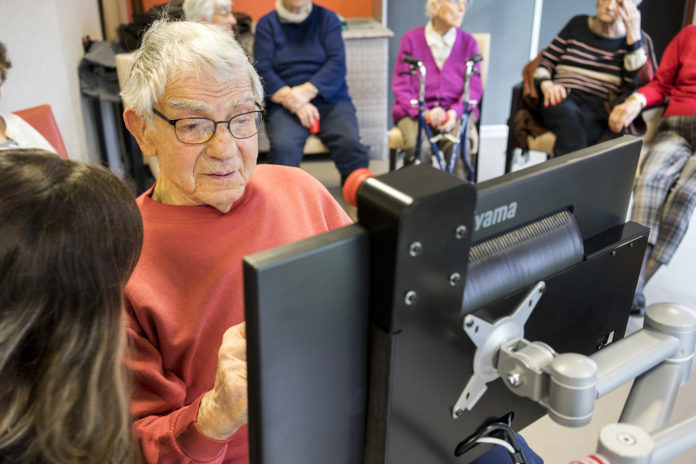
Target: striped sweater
<point>581,60</point>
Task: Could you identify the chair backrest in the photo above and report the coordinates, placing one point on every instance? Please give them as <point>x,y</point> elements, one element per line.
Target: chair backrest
<point>483,41</point>
<point>41,118</point>
<point>124,62</point>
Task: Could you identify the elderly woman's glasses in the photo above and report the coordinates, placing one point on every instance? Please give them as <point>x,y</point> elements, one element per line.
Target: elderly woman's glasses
<point>201,130</point>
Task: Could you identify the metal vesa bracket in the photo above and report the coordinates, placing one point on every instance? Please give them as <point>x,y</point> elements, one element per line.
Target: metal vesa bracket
<point>488,339</point>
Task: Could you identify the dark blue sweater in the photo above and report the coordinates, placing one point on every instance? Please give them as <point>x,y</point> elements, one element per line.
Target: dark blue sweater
<point>294,53</point>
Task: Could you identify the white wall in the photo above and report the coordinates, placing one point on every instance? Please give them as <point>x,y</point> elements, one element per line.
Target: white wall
<point>43,39</point>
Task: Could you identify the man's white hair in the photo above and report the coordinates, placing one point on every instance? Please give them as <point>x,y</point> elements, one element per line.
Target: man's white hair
<point>170,47</point>
<point>202,10</point>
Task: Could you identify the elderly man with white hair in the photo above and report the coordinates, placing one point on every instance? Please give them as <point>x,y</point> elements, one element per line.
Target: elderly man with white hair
<point>193,100</point>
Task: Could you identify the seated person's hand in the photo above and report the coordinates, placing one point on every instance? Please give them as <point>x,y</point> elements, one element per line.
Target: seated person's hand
<point>451,120</point>
<point>622,115</point>
<point>436,116</point>
<point>630,15</point>
<point>292,102</point>
<point>307,114</point>
<point>553,93</point>
<point>305,92</point>
<point>286,97</point>
<point>224,409</point>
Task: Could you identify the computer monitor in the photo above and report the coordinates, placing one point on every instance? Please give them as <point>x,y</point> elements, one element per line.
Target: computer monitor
<point>356,347</point>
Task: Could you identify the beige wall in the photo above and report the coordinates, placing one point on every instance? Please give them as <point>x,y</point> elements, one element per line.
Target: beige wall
<point>43,39</point>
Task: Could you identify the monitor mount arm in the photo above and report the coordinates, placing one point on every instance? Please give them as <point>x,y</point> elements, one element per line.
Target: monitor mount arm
<point>659,357</point>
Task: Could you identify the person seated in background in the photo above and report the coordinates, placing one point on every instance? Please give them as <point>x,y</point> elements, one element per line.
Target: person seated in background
<point>593,61</point>
<point>300,55</point>
<point>443,48</point>
<point>193,99</point>
<point>664,193</point>
<point>15,132</point>
<point>71,235</point>
<point>218,12</point>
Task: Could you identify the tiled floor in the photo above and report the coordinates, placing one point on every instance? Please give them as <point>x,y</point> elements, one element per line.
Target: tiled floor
<point>675,283</point>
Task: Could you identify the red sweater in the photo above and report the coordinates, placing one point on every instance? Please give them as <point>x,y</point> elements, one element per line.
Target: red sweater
<point>187,289</point>
<point>676,76</point>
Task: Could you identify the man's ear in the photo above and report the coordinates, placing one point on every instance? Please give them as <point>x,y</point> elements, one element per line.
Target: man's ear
<point>137,126</point>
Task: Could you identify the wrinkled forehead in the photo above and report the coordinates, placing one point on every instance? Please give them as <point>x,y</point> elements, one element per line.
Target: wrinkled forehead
<point>234,81</point>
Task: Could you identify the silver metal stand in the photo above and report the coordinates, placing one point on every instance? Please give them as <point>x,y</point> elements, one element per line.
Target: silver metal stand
<point>658,357</point>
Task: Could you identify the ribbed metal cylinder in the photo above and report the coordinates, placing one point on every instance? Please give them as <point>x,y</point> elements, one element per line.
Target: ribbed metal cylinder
<point>516,259</point>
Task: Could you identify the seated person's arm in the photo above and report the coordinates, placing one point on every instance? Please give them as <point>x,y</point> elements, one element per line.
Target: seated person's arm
<point>168,429</point>
<point>636,57</point>
<point>622,115</point>
<point>653,93</point>
<point>264,50</point>
<point>307,113</point>
<point>475,84</point>
<point>330,77</point>
<point>553,93</point>
<point>292,98</point>
<point>404,85</point>
<point>223,410</point>
<point>305,92</point>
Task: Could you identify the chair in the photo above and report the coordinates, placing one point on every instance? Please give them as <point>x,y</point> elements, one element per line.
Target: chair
<point>41,118</point>
<point>124,62</point>
<point>396,139</point>
<point>543,140</point>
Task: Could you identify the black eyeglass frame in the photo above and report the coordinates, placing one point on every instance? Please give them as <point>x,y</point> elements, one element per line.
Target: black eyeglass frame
<point>173,122</point>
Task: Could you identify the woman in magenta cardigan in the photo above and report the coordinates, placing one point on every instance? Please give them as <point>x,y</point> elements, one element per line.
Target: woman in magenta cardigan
<point>443,48</point>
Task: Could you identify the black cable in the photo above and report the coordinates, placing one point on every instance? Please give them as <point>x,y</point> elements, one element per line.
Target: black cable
<point>500,429</point>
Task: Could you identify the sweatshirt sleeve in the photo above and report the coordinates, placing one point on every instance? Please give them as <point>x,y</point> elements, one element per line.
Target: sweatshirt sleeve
<point>552,54</point>
<point>475,84</point>
<point>264,51</point>
<point>331,76</point>
<point>164,426</point>
<point>657,90</point>
<point>404,85</point>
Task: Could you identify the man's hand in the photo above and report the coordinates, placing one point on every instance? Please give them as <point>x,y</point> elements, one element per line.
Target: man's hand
<point>631,19</point>
<point>224,409</point>
<point>622,115</point>
<point>307,114</point>
<point>553,93</point>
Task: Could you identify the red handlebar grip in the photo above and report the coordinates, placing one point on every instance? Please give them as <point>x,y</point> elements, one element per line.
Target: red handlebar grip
<point>353,183</point>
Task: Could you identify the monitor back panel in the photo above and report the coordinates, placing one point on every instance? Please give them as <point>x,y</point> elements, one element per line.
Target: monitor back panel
<point>307,349</point>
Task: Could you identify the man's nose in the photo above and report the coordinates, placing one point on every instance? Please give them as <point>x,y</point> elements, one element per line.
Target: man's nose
<point>222,145</point>
<point>231,19</point>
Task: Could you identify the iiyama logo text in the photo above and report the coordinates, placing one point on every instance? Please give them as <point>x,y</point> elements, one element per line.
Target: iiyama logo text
<point>494,216</point>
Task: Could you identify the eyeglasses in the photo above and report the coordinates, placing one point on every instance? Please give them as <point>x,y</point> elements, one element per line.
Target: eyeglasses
<point>201,130</point>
